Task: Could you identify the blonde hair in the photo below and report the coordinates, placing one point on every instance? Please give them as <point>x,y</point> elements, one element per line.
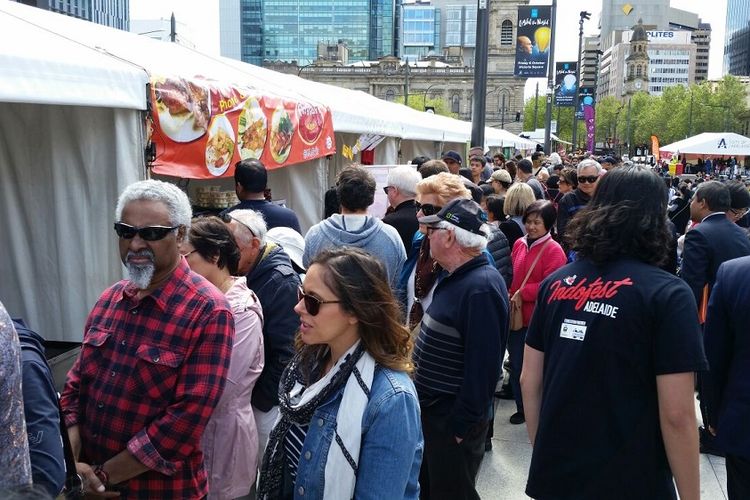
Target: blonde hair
<point>518,198</point>
<point>445,186</point>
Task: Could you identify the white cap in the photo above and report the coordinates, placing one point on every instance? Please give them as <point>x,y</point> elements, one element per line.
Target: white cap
<point>291,241</point>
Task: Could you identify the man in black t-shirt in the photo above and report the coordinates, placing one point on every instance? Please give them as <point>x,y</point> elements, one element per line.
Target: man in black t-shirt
<point>612,347</point>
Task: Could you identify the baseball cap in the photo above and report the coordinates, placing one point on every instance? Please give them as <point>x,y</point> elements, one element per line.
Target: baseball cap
<point>462,213</point>
<point>452,155</point>
<point>502,176</point>
<point>609,159</point>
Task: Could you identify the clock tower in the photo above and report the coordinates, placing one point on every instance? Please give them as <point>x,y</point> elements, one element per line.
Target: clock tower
<point>636,64</point>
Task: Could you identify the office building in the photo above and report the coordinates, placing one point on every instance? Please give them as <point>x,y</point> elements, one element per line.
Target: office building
<point>737,38</point>
<point>420,31</point>
<point>590,61</point>
<point>290,30</point>
<point>112,13</point>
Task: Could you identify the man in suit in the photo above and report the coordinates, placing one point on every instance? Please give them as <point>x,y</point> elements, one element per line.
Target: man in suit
<point>727,385</point>
<point>713,241</point>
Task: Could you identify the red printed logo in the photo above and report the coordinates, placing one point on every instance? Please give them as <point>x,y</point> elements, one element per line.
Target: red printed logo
<point>582,291</point>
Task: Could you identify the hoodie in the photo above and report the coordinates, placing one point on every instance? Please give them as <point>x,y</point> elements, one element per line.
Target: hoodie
<point>362,231</point>
<point>41,412</point>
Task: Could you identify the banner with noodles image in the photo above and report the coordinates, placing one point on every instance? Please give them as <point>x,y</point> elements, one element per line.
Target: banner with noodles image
<point>532,41</point>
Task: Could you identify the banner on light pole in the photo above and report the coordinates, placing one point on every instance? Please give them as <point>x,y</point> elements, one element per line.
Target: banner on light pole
<point>566,83</point>
<point>533,39</point>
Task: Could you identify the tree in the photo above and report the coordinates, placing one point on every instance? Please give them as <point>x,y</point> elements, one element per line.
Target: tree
<point>420,102</point>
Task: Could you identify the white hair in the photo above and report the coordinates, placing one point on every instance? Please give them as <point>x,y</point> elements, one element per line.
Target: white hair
<point>555,159</point>
<point>405,178</point>
<point>467,239</point>
<point>176,201</point>
<point>589,163</point>
<point>252,220</point>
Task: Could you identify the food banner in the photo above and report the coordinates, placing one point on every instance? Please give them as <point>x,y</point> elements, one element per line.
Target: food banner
<point>566,83</point>
<point>532,41</point>
<point>202,127</point>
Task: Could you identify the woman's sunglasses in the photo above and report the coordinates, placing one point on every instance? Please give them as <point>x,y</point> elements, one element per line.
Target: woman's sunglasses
<point>427,208</point>
<point>312,303</point>
<point>148,233</point>
<point>583,179</point>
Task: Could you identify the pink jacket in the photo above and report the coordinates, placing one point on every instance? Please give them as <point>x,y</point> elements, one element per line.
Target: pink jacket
<point>230,441</point>
<point>522,257</point>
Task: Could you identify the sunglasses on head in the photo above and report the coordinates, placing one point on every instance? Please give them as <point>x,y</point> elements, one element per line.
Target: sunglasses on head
<point>226,218</point>
<point>587,178</point>
<point>427,208</point>
<point>148,233</point>
<point>312,303</point>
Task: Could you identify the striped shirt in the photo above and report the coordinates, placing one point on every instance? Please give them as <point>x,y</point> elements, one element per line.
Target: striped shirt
<point>293,443</point>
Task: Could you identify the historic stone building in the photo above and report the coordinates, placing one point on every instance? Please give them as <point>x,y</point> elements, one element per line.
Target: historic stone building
<point>389,77</point>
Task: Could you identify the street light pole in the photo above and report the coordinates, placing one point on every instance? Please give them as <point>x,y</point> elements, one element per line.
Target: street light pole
<point>576,99</point>
<point>502,112</point>
<point>424,96</point>
<point>550,79</point>
<point>536,105</point>
<point>690,117</point>
<point>480,74</point>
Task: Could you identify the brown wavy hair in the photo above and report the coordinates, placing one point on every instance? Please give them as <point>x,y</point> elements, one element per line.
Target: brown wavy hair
<point>360,282</point>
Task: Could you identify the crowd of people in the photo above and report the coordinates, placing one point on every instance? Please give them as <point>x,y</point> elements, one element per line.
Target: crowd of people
<point>242,359</point>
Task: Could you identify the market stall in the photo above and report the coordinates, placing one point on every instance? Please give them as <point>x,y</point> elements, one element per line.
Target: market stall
<point>710,144</point>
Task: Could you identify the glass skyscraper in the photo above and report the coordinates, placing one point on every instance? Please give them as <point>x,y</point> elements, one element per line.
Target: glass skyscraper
<point>112,13</point>
<point>737,38</point>
<point>290,30</point>
<point>421,31</point>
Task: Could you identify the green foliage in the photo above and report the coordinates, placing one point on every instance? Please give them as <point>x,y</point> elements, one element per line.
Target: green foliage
<point>678,113</point>
<point>418,102</point>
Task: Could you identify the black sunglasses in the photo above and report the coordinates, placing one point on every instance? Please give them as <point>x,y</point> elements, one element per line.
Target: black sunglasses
<point>226,218</point>
<point>312,303</point>
<point>427,208</point>
<point>583,179</point>
<point>386,188</point>
<point>148,233</point>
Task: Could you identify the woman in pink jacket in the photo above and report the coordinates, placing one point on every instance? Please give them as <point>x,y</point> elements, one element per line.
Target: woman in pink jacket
<point>535,256</point>
<point>230,441</point>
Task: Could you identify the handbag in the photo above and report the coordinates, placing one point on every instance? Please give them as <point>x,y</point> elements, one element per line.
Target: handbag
<point>516,303</point>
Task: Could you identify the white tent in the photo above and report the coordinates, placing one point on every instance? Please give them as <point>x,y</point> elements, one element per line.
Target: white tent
<point>711,144</point>
<point>73,98</point>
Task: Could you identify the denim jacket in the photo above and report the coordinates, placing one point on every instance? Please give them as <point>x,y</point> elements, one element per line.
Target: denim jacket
<point>392,443</point>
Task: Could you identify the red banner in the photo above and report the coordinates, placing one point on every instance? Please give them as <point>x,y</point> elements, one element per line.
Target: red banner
<point>655,148</point>
<point>201,128</point>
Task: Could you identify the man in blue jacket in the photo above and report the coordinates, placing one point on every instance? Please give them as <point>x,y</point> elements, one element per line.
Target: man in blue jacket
<point>41,412</point>
<point>458,352</point>
<point>727,385</point>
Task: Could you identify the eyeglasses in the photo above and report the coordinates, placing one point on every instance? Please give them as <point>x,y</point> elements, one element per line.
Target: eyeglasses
<point>427,208</point>
<point>148,233</point>
<point>312,303</point>
<point>432,229</point>
<point>583,179</point>
<point>226,218</point>
<point>739,212</point>
<point>187,254</point>
<point>386,188</point>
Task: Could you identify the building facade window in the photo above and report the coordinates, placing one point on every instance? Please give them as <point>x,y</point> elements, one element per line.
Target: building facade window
<point>506,33</point>
<point>455,104</point>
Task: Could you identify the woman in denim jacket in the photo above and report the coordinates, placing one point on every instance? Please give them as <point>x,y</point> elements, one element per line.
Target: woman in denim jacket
<point>350,424</point>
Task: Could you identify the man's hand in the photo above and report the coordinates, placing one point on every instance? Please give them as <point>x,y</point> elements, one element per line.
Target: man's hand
<point>458,439</point>
<point>92,486</point>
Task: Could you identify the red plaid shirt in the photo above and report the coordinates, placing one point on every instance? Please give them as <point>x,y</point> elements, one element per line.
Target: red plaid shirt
<point>148,378</point>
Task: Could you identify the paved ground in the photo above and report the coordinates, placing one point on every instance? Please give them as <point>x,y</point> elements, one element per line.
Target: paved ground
<point>504,469</point>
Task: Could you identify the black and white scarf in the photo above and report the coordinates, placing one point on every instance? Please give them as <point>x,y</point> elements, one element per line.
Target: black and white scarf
<point>297,403</point>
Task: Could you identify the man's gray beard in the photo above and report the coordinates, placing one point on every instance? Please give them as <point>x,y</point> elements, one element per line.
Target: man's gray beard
<point>141,276</point>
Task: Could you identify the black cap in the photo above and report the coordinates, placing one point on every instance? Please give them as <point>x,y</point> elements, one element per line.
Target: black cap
<point>462,213</point>
<point>452,155</point>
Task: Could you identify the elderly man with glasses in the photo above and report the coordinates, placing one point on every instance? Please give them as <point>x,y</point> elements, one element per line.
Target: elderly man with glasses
<point>272,277</point>
<point>154,361</point>
<point>588,174</point>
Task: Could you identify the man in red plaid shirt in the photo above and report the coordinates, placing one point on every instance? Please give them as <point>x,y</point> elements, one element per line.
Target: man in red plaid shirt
<point>155,355</point>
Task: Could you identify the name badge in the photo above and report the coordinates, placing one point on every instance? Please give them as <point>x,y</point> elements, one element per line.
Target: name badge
<point>573,329</point>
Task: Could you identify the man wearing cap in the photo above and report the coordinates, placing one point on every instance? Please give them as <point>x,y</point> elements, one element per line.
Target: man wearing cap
<point>453,160</point>
<point>501,181</point>
<point>458,352</point>
<point>608,163</point>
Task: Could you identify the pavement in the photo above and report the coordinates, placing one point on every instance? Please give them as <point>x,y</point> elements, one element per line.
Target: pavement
<point>504,470</point>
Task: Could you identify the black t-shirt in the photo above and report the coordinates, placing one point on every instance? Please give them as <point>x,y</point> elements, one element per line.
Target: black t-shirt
<point>606,333</point>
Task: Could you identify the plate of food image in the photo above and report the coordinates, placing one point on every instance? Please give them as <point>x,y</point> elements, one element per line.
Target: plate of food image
<point>220,145</point>
<point>282,132</point>
<point>252,129</point>
<point>183,108</point>
<point>309,123</point>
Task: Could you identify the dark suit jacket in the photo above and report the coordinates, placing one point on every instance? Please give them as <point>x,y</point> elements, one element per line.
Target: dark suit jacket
<point>708,245</point>
<point>404,219</point>
<point>727,341</point>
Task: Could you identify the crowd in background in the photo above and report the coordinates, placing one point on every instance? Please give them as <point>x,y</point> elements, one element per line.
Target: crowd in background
<point>242,359</point>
